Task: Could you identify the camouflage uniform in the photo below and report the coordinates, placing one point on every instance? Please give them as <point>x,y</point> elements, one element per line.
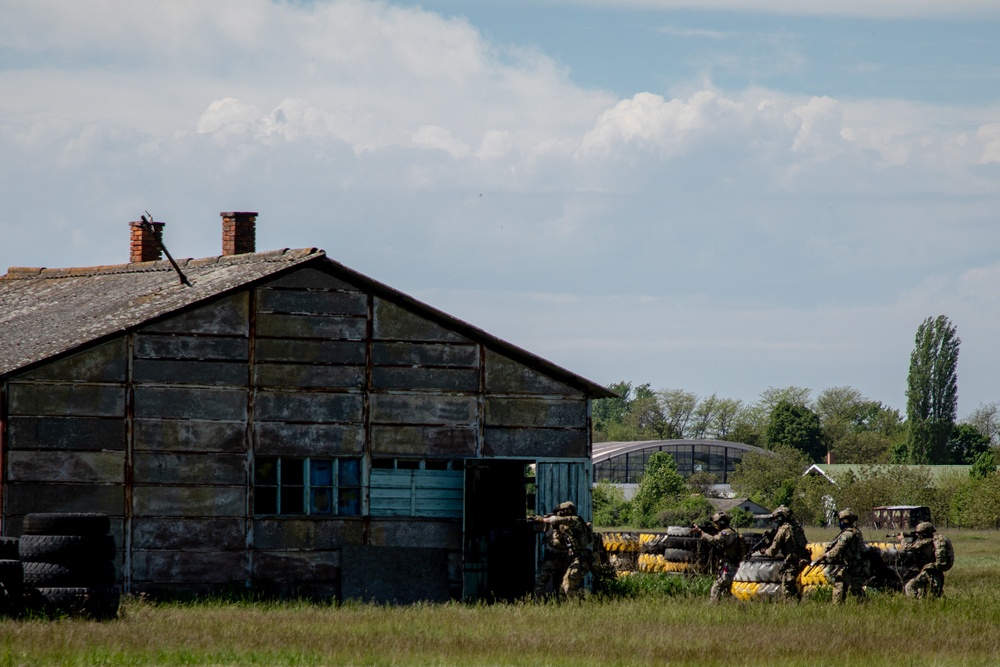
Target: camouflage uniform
<point>727,547</point>
<point>567,552</point>
<point>790,542</point>
<point>930,579</point>
<point>846,553</point>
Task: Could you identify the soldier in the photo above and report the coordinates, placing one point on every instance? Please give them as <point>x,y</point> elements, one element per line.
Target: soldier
<point>727,548</point>
<point>788,542</point>
<point>932,554</point>
<point>568,554</point>
<point>845,552</point>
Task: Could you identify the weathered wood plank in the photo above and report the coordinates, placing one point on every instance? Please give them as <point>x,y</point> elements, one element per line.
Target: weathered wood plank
<point>164,468</point>
<point>538,412</point>
<point>189,435</point>
<point>192,347</point>
<point>426,354</point>
<point>304,326</point>
<point>308,407</point>
<point>400,533</point>
<point>304,568</point>
<point>311,279</point>
<point>300,302</point>
<point>190,403</point>
<point>181,567</point>
<point>191,372</point>
<point>27,497</point>
<point>280,439</point>
<point>309,375</point>
<point>506,376</point>
<point>351,353</point>
<point>414,408</point>
<point>188,501</point>
<point>422,441</point>
<point>536,442</point>
<point>308,534</point>
<point>78,400</point>
<point>77,433</point>
<point>395,574</point>
<point>104,363</point>
<point>444,379</point>
<point>227,316</point>
<point>392,322</point>
<point>189,534</point>
<point>66,466</point>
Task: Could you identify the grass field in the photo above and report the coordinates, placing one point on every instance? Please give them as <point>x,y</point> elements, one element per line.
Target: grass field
<point>655,628</point>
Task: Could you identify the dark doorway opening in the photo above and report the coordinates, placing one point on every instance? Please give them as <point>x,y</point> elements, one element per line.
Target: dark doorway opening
<point>499,544</point>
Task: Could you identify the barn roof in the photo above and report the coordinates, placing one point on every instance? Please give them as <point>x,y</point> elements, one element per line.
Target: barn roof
<point>48,313</point>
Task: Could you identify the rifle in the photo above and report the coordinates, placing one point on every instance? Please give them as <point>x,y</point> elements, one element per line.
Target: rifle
<point>906,536</point>
<point>765,539</point>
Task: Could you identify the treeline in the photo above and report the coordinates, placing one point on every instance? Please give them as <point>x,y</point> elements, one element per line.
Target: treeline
<point>840,424</point>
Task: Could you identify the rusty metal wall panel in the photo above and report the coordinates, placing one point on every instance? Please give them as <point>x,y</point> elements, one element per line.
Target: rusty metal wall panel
<point>226,316</point>
<point>403,533</point>
<point>104,363</point>
<point>421,441</point>
<point>182,534</point>
<point>188,435</point>
<point>536,412</point>
<point>73,433</point>
<point>311,279</point>
<point>506,376</point>
<point>191,347</point>
<point>66,466</point>
<point>169,468</point>
<point>175,568</point>
<point>536,443</point>
<point>190,403</point>
<point>188,501</point>
<point>308,407</point>
<point>391,322</point>
<point>301,568</point>
<point>281,439</point>
<point>444,379</point>
<point>312,302</point>
<point>311,534</point>
<point>190,372</point>
<point>432,409</point>
<point>64,400</point>
<point>308,375</point>
<point>425,354</point>
<point>558,481</point>
<point>303,326</point>
<point>26,497</point>
<point>352,353</point>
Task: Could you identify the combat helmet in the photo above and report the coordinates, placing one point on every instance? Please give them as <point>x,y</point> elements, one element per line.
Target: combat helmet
<point>782,513</point>
<point>566,506</point>
<point>721,519</point>
<point>847,515</point>
<point>925,528</point>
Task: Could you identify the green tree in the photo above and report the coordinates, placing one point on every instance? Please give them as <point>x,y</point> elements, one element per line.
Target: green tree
<point>659,486</point>
<point>770,478</point>
<point>796,426</point>
<point>932,390</point>
<point>966,444</point>
<point>610,506</point>
<point>986,419</point>
<point>984,465</point>
<point>874,486</point>
<point>677,407</point>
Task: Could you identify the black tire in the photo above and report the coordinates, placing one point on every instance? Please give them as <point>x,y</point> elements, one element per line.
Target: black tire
<point>55,575</point>
<point>678,555</point>
<point>680,531</point>
<point>80,550</point>
<point>66,523</point>
<point>96,603</point>
<point>12,576</point>
<point>8,548</point>
<point>687,543</point>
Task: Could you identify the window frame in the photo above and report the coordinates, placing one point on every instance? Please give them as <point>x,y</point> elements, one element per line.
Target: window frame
<point>304,481</point>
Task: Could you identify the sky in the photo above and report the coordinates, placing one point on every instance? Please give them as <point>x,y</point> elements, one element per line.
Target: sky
<point>718,196</point>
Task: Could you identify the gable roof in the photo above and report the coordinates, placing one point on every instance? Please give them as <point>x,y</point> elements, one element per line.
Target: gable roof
<point>48,313</point>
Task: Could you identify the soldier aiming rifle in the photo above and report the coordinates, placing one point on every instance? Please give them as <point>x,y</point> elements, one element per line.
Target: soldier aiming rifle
<point>568,551</point>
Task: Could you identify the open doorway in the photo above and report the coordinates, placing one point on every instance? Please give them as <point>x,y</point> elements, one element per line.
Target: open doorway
<point>499,558</point>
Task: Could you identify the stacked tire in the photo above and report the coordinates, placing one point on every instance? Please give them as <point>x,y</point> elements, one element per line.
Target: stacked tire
<point>758,578</point>
<point>11,577</point>
<point>68,561</point>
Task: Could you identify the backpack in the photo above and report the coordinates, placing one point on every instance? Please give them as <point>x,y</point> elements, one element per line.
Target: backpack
<point>737,551</point>
<point>944,553</point>
<point>801,541</point>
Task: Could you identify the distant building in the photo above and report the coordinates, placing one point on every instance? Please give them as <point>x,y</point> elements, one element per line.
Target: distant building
<point>624,462</point>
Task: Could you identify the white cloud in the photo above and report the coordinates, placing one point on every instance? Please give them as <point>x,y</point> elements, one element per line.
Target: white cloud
<point>860,8</point>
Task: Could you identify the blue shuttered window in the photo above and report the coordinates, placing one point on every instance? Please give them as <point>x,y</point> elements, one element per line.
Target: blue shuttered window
<point>417,493</point>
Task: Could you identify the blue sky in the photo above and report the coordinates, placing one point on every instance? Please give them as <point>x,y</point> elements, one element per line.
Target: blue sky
<point>675,193</point>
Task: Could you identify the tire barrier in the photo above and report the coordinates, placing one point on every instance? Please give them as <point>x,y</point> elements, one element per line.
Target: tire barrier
<point>657,563</point>
<point>67,562</point>
<point>620,542</point>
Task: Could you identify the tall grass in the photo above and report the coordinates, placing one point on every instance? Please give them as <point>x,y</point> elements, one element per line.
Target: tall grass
<point>663,619</point>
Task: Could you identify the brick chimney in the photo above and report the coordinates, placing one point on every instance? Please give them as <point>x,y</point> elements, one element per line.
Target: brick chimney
<point>145,238</point>
<point>239,232</point>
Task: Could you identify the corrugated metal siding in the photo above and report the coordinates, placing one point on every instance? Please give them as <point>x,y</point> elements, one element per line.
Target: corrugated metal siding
<point>418,493</point>
<point>558,481</point>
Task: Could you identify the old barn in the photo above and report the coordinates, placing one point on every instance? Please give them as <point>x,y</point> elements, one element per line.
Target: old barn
<point>278,421</point>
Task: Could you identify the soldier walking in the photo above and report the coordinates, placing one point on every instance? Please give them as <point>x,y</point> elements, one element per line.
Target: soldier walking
<point>727,548</point>
<point>845,552</point>
<point>788,542</point>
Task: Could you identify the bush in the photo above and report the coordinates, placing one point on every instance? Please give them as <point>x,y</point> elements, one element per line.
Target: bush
<point>690,510</point>
<point>610,506</point>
